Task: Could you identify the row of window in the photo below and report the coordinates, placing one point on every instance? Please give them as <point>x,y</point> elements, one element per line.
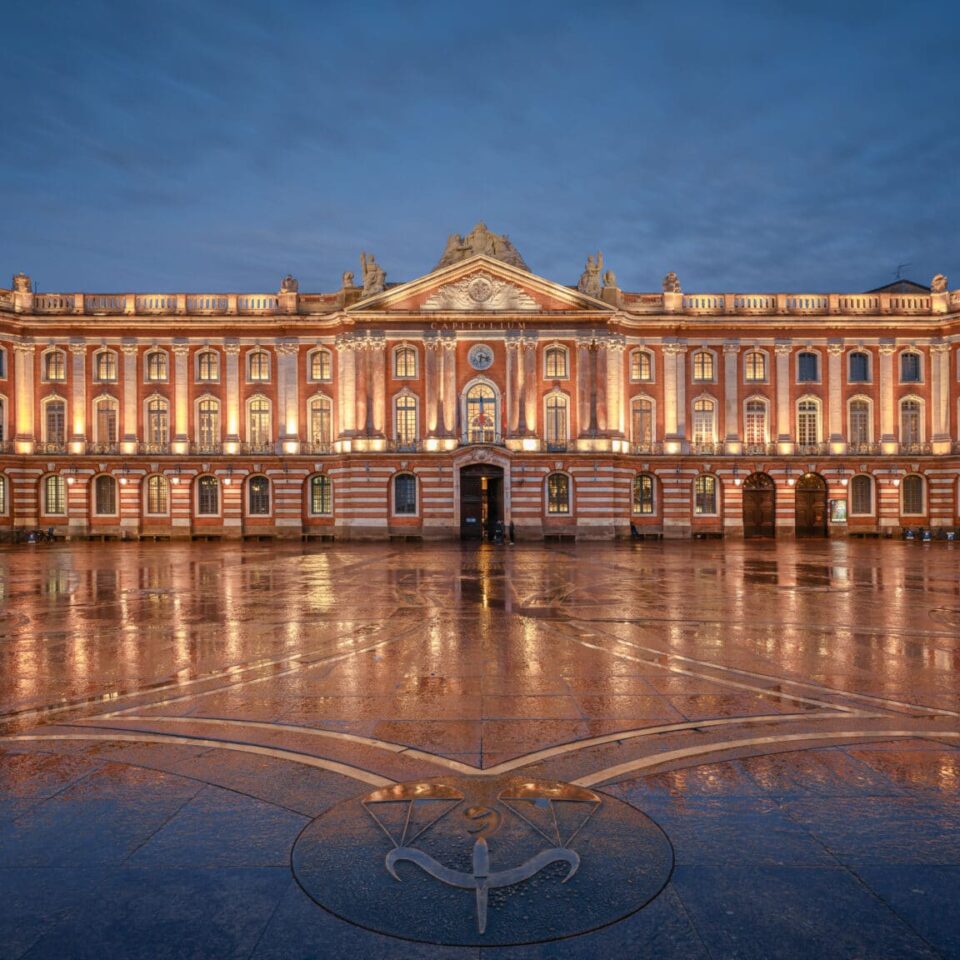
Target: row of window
<point>704,364</point>
<point>755,366</point>
<point>861,497</point>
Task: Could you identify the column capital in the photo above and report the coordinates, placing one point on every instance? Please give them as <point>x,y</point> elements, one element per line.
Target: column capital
<point>231,349</point>
<point>886,348</point>
<point>286,349</point>
<point>345,341</point>
<point>783,349</point>
<point>731,347</point>
<point>835,349</point>
<point>938,346</point>
<point>616,342</point>
<point>129,349</point>
<point>25,348</point>
<point>78,349</point>
<point>673,349</point>
<point>181,349</point>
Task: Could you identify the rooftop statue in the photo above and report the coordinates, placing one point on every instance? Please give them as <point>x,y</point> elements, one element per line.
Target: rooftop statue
<point>938,284</point>
<point>21,283</point>
<point>671,283</point>
<point>289,284</point>
<point>347,280</point>
<point>590,278</point>
<point>480,240</point>
<point>374,279</point>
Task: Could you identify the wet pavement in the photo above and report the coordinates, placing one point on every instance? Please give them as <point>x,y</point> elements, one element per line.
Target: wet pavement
<point>182,724</point>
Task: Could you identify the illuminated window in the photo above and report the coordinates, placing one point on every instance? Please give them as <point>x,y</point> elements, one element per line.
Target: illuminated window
<point>3,494</point>
<point>911,430</point>
<point>208,366</point>
<point>641,421</point>
<point>105,367</point>
<point>703,366</point>
<point>404,363</point>
<point>55,366</point>
<point>54,495</point>
<point>258,421</point>
<point>481,414</point>
<point>755,367</point>
<point>859,421</point>
<point>208,422</point>
<point>158,421</point>
<point>555,363</point>
<point>3,363</point>
<point>405,419</point>
<point>156,366</point>
<point>643,494</point>
<point>208,496</point>
<point>705,495</point>
<point>258,496</point>
<point>258,366</point>
<point>704,421</point>
<point>755,422</point>
<point>558,493</point>
<point>54,421</point>
<point>641,366</point>
<point>556,431</point>
<point>158,494</point>
<point>808,422</point>
<point>321,366</point>
<point>107,410</point>
<point>321,420</point>
<point>321,495</point>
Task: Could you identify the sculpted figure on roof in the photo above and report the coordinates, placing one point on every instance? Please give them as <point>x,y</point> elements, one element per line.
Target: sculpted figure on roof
<point>671,283</point>
<point>590,278</point>
<point>21,283</point>
<point>938,284</point>
<point>374,278</point>
<point>480,240</point>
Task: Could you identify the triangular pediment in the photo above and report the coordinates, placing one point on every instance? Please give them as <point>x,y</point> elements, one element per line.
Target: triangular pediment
<point>480,284</point>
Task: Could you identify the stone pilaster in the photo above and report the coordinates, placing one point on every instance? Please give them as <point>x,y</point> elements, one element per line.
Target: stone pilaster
<point>378,385</point>
<point>834,430</point>
<point>181,403</point>
<point>347,384</point>
<point>615,346</point>
<point>940,396</point>
<point>584,366</point>
<point>731,398</point>
<point>288,395</point>
<point>431,344</point>
<point>231,351</point>
<point>450,399</point>
<point>23,366</point>
<point>78,438</point>
<point>785,441</point>
<point>888,438</point>
<point>670,419</point>
<point>129,438</point>
<point>530,398</point>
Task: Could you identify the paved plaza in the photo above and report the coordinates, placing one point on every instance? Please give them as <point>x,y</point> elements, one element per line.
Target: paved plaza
<point>676,750</point>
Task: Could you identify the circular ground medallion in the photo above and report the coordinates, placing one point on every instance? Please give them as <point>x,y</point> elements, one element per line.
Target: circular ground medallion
<point>482,862</point>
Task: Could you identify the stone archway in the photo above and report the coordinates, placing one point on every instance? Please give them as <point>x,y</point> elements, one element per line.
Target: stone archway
<point>811,506</point>
<point>759,506</point>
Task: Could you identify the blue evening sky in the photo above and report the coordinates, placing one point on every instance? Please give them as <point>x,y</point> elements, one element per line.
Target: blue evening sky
<point>212,145</point>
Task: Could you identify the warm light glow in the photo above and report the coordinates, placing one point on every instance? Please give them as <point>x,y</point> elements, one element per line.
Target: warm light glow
<point>530,443</point>
<point>71,481</point>
<point>231,447</point>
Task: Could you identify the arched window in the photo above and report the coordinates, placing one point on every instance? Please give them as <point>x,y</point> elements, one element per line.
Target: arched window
<point>156,367</point>
<point>321,365</point>
<point>3,494</point>
<point>481,414</point>
<point>641,366</point>
<point>258,422</point>
<point>258,496</point>
<point>321,495</point>
<point>404,494</point>
<point>555,363</point>
<point>911,421</point>
<point>861,495</point>
<point>808,422</point>
<point>208,366</point>
<point>321,420</point>
<point>404,363</point>
<point>158,421</point>
<point>641,421</point>
<point>705,495</point>
<point>405,419</point>
<point>755,422</point>
<point>808,367</point>
<point>911,370</point>
<point>911,495</point>
<point>860,421</point>
<point>703,371</point>
<point>558,493</point>
<point>105,367</point>
<point>643,495</point>
<point>858,370</point>
<point>104,496</point>
<point>55,421</point>
<point>755,367</point>
<point>105,423</point>
<point>208,423</point>
<point>258,366</point>
<point>54,495</point>
<point>704,421</point>
<point>55,366</point>
<point>556,423</point>
<point>208,496</point>
<point>158,495</point>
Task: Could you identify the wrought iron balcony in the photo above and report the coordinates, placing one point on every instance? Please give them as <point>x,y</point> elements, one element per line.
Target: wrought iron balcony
<point>812,449</point>
<point>759,450</point>
<point>202,448</point>
<point>50,446</point>
<point>557,446</point>
<point>110,447</point>
<point>918,449</point>
<point>405,446</point>
<point>263,447</point>
<point>651,449</point>
<point>316,448</point>
<point>154,448</point>
<point>473,437</point>
<point>866,449</point>
<point>707,449</point>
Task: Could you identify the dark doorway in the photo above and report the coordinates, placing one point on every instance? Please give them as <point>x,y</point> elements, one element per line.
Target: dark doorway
<point>811,506</point>
<point>759,506</point>
<point>481,501</point>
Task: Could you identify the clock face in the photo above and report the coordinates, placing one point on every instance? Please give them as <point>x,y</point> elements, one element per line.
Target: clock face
<point>480,357</point>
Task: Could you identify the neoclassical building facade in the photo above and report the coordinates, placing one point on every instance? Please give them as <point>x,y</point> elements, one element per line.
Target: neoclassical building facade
<point>479,393</point>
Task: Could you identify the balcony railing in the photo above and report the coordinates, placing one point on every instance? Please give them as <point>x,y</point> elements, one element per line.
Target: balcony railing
<point>405,446</point>
<point>557,446</point>
<point>707,449</point>
<point>105,447</point>
<point>263,447</point>
<point>473,437</point>
<point>865,449</point>
<point>316,448</point>
<point>154,448</point>
<point>812,449</point>
<point>203,448</point>
<point>50,446</point>
<point>649,449</point>
<point>759,449</point>
<point>918,449</point>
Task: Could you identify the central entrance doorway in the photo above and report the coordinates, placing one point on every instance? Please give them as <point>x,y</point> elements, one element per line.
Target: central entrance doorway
<point>481,500</point>
<point>811,506</point>
<point>759,506</point>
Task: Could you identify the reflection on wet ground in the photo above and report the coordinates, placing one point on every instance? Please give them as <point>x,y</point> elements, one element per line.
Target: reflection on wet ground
<point>173,715</point>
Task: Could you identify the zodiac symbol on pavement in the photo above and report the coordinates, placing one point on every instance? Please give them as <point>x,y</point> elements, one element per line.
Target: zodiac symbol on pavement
<point>524,800</point>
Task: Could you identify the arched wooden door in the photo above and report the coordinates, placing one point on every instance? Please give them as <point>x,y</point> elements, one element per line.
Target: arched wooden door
<point>811,506</point>
<point>759,506</point>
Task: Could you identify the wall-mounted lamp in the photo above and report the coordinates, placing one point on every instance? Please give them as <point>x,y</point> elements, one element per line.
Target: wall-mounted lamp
<point>124,470</point>
<point>175,479</point>
<point>228,479</point>
<point>72,476</point>
<point>790,480</point>
<point>736,475</point>
<point>843,479</point>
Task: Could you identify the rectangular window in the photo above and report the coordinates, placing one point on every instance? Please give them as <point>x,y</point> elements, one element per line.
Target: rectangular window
<point>55,422</point>
<point>643,494</point>
<point>405,494</point>
<point>755,432</point>
<point>641,366</point>
<point>808,368</point>
<point>54,495</point>
<point>859,368</point>
<point>859,422</point>
<point>909,367</point>
<point>321,496</point>
<point>755,367</point>
<point>705,496</point>
<point>558,493</point>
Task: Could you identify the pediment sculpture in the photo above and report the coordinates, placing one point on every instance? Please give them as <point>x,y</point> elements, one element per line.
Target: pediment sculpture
<point>481,291</point>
